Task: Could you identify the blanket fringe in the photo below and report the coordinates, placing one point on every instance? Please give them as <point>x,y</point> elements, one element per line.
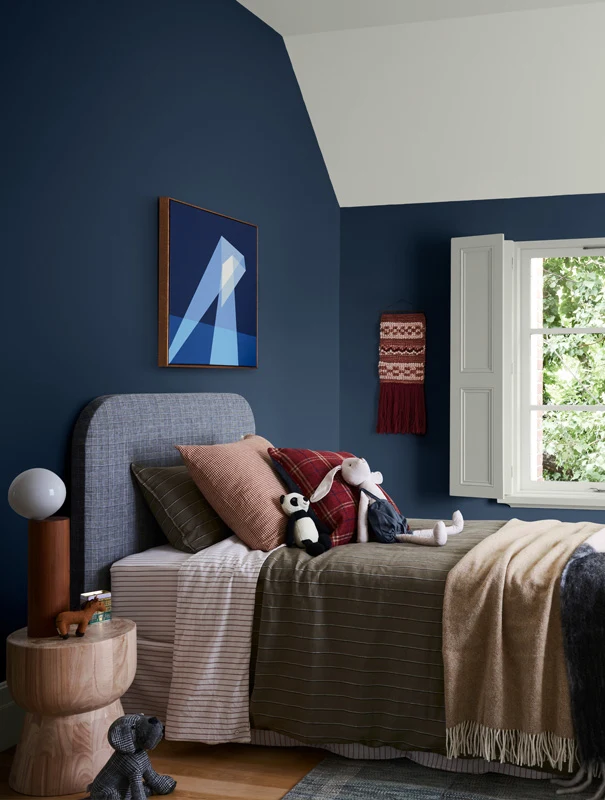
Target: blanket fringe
<point>515,747</point>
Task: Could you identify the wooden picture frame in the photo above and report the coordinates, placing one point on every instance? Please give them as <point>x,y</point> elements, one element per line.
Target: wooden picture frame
<point>208,288</point>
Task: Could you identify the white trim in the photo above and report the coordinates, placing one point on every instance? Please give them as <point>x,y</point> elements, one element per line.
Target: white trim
<point>521,490</point>
<point>596,408</point>
<point>510,313</point>
<point>522,428</point>
<point>580,500</point>
<point>583,245</point>
<point>566,331</point>
<point>11,719</point>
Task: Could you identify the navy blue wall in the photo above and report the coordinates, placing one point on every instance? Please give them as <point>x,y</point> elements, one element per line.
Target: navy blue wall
<point>392,252</point>
<point>106,106</point>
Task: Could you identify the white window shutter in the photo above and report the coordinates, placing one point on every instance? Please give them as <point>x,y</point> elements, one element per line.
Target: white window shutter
<point>479,352</point>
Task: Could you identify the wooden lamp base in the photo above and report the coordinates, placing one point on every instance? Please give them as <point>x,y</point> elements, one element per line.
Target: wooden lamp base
<point>47,574</point>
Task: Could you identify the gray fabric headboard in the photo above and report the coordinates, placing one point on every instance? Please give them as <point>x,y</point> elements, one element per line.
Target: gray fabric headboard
<point>109,518</point>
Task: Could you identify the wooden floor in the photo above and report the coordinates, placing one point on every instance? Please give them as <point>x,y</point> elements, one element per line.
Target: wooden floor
<point>222,772</point>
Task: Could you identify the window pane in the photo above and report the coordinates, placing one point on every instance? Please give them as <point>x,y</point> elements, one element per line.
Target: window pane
<point>568,292</point>
<point>568,446</point>
<point>568,369</point>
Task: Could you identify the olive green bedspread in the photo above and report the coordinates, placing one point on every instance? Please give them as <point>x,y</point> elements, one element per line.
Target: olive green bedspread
<point>347,646</point>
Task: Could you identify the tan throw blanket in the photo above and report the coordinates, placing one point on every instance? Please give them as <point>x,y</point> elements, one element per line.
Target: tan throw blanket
<point>506,690</point>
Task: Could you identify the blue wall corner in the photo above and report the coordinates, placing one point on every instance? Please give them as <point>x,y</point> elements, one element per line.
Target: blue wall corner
<point>111,105</point>
<point>393,252</point>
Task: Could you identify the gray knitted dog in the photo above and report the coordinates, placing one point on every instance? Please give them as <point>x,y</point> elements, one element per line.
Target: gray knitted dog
<point>128,775</point>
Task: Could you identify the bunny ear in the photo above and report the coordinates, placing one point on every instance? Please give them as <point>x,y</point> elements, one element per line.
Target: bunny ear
<point>325,486</point>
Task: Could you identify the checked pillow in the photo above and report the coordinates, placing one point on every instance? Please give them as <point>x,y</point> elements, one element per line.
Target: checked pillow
<point>239,482</point>
<point>303,471</point>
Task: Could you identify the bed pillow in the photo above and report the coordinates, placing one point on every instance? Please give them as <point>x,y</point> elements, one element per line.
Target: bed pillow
<point>239,481</point>
<point>305,470</point>
<point>186,518</point>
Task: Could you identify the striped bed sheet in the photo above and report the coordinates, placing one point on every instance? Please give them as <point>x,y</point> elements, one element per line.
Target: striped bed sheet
<point>144,589</point>
<point>209,697</point>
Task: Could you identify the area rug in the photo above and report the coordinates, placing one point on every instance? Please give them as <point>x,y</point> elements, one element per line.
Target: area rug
<point>344,779</point>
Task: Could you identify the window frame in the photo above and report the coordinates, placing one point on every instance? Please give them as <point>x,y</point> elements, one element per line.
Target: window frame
<point>520,490</point>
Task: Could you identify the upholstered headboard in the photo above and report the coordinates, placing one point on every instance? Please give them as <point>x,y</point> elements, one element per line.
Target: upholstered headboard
<point>109,519</point>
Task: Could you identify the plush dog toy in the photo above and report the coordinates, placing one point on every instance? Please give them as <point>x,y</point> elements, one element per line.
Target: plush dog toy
<point>302,531</point>
<point>80,618</point>
<point>357,472</point>
<point>128,775</point>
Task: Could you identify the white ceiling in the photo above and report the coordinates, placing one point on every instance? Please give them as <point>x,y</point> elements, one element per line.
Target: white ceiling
<point>420,101</point>
<point>294,17</point>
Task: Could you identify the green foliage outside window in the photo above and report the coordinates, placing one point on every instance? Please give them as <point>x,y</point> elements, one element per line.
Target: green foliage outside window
<point>574,369</point>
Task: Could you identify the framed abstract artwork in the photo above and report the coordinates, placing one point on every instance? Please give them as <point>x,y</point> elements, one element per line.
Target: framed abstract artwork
<point>208,309</point>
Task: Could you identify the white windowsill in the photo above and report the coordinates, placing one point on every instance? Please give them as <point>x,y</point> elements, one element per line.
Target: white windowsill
<point>580,500</point>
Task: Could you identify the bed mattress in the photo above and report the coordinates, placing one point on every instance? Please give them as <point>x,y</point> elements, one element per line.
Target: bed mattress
<point>144,588</point>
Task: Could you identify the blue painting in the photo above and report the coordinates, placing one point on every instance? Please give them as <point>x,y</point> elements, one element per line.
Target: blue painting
<point>208,288</point>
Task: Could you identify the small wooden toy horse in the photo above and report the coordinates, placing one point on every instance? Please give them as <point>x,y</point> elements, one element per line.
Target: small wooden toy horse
<point>80,618</point>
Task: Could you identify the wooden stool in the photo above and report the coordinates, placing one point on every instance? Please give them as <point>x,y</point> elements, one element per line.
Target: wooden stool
<point>71,690</point>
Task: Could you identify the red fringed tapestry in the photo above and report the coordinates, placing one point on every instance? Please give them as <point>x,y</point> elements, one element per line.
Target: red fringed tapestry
<point>402,356</point>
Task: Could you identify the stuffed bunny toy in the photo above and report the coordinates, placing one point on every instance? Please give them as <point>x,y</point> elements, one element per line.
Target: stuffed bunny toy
<point>128,775</point>
<point>357,472</point>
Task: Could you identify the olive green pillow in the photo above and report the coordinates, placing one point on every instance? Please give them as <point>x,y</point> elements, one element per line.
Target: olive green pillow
<point>185,516</point>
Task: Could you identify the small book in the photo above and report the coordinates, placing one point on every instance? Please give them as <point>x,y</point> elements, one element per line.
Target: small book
<point>98,594</point>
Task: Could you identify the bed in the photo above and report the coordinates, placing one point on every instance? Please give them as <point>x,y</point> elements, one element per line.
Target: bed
<point>384,616</point>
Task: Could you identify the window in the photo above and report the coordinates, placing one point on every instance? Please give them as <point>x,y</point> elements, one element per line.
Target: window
<point>528,371</point>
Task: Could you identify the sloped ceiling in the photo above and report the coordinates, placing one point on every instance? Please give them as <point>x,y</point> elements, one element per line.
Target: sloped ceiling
<point>417,101</point>
<point>293,17</point>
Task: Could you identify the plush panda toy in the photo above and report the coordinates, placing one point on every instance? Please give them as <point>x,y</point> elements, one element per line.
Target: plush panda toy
<point>302,530</point>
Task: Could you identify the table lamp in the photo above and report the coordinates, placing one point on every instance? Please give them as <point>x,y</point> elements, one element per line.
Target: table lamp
<point>37,494</point>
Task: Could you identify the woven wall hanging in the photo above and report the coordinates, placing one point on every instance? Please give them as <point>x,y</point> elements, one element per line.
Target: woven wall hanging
<point>402,356</point>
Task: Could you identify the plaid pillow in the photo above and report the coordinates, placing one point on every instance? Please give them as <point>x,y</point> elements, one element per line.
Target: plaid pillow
<point>306,469</point>
<point>185,516</point>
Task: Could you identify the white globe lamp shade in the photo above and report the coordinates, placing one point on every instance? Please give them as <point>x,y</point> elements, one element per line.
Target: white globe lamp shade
<point>36,493</point>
